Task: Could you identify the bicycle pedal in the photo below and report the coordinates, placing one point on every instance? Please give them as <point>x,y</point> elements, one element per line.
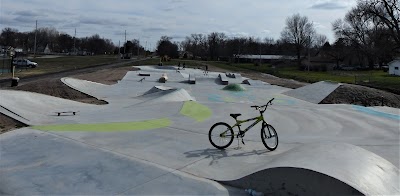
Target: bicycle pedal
<point>243,142</point>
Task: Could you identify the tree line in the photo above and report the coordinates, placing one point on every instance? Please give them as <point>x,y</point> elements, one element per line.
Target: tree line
<point>369,34</point>
<point>57,42</point>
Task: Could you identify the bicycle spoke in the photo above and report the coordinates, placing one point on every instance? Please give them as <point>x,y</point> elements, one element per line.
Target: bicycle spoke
<point>220,135</point>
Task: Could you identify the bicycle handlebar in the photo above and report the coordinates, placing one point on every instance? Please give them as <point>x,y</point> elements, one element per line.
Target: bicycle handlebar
<point>266,105</point>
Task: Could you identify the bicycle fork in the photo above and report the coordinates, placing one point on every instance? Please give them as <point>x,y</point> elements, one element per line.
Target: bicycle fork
<point>241,134</point>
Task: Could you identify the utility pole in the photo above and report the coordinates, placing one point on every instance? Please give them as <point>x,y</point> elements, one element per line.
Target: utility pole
<point>260,54</point>
<point>119,47</point>
<point>75,42</point>
<point>34,50</point>
<point>125,44</point>
<point>309,60</point>
<point>145,50</point>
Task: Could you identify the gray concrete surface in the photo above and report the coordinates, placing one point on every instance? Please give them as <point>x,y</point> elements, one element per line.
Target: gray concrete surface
<point>315,92</point>
<point>342,144</point>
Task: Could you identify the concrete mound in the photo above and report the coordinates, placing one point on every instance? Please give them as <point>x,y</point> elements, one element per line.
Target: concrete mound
<point>317,169</point>
<point>159,94</point>
<point>234,87</point>
<point>315,92</point>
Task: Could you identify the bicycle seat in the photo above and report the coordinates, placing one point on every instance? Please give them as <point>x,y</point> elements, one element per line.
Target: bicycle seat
<point>235,115</point>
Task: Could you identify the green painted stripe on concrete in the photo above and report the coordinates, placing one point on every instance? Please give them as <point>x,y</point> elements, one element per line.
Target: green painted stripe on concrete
<point>196,111</point>
<point>109,127</point>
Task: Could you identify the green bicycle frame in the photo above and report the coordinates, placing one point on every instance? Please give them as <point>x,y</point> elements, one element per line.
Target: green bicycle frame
<point>257,120</point>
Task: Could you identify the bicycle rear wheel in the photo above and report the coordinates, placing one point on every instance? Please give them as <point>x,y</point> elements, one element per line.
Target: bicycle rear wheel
<point>269,137</point>
<point>221,135</point>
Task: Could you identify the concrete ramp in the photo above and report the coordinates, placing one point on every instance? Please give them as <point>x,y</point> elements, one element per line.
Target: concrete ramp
<point>168,95</point>
<point>87,87</point>
<point>254,82</point>
<point>157,89</point>
<point>317,169</point>
<point>315,92</point>
<point>34,108</point>
<point>224,79</point>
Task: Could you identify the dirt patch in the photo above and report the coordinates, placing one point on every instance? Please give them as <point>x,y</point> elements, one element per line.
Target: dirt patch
<point>7,124</point>
<point>361,95</point>
<point>106,76</point>
<point>288,83</point>
<point>54,87</point>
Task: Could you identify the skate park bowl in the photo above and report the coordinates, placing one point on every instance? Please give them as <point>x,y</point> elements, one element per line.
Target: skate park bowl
<point>152,139</point>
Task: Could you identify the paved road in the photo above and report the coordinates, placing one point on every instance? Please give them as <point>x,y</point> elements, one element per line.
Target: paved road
<point>24,80</point>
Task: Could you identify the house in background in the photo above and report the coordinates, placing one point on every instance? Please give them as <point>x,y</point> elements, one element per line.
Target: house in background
<point>394,67</point>
<point>47,49</point>
<point>255,58</point>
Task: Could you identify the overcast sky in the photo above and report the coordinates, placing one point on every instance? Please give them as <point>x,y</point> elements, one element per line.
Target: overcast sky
<point>148,20</point>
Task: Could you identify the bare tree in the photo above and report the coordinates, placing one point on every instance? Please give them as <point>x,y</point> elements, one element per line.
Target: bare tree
<point>166,47</point>
<point>300,32</point>
<point>370,38</point>
<point>8,36</point>
<point>269,41</point>
<point>387,12</point>
<point>320,40</point>
<point>215,42</point>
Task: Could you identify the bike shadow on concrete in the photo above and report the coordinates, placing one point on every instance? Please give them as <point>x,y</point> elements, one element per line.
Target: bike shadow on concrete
<point>214,155</point>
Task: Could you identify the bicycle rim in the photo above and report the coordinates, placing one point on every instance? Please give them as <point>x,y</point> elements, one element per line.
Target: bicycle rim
<point>269,137</point>
<point>221,135</point>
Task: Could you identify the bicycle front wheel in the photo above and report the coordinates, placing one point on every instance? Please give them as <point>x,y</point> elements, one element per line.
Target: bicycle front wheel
<point>269,137</point>
<point>221,135</point>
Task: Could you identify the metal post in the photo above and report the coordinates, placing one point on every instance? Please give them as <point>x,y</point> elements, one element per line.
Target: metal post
<point>260,54</point>
<point>75,42</point>
<point>34,51</point>
<point>12,66</point>
<point>4,57</point>
<point>119,49</point>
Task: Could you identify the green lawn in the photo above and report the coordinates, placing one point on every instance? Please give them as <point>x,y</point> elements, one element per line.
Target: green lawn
<point>373,78</point>
<point>51,65</point>
<point>174,62</point>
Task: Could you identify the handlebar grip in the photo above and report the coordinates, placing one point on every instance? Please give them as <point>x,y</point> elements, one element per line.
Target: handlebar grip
<point>254,106</point>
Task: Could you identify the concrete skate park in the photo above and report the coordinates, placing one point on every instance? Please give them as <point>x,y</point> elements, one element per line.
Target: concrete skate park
<point>152,139</point>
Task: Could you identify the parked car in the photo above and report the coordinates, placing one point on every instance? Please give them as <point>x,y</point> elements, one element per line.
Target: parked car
<point>24,63</point>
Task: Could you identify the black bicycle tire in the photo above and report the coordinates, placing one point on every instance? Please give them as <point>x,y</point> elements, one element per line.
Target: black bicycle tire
<point>215,125</point>
<point>263,139</point>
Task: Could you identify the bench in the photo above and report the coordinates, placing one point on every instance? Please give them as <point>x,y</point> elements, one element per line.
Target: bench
<point>67,112</point>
